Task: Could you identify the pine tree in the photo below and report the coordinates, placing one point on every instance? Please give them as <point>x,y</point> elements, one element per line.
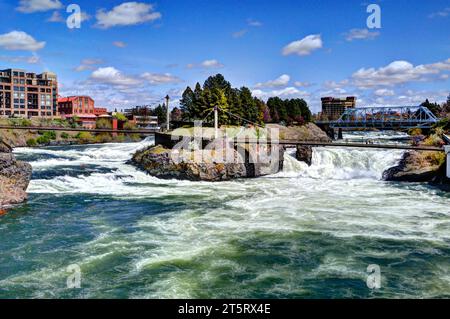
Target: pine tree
<point>248,104</point>
<point>187,104</point>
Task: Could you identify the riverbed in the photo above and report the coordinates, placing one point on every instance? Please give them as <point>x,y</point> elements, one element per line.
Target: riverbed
<point>306,232</point>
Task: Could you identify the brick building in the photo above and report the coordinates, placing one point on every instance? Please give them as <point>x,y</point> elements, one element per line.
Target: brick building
<point>24,94</point>
<point>100,111</point>
<point>333,108</point>
<point>81,107</point>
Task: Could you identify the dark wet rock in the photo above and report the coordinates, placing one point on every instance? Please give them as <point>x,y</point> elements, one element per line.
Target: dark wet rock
<point>409,169</point>
<point>14,178</point>
<point>202,165</point>
<point>304,154</point>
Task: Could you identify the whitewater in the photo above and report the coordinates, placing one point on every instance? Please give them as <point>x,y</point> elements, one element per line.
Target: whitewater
<point>306,232</point>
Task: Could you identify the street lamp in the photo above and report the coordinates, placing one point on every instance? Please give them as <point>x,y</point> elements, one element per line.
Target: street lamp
<point>168,113</point>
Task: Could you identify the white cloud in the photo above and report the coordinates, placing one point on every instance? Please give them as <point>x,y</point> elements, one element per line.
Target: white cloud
<point>88,64</point>
<point>157,78</point>
<point>440,14</point>
<point>34,59</point>
<point>398,72</point>
<point>384,92</point>
<point>19,40</point>
<point>207,64</point>
<point>112,76</point>
<point>254,23</point>
<point>361,34</point>
<point>56,17</point>
<point>289,92</point>
<point>30,6</point>
<point>240,33</point>
<point>125,14</point>
<point>302,84</point>
<point>304,46</point>
<point>282,80</point>
<point>119,44</point>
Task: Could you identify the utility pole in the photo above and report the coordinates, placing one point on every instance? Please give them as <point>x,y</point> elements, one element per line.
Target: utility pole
<point>168,113</point>
<point>216,122</point>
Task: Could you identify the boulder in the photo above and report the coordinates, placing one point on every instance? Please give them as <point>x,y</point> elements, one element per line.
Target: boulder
<point>304,154</point>
<point>204,165</point>
<point>14,178</point>
<point>409,169</point>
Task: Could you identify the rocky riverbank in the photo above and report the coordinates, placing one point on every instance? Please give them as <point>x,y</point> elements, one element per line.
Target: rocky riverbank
<point>419,167</point>
<point>14,177</point>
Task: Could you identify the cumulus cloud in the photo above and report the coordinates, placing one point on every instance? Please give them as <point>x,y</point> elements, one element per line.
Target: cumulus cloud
<point>288,92</point>
<point>398,72</point>
<point>282,80</point>
<point>361,34</point>
<point>19,40</point>
<point>158,78</point>
<point>119,44</point>
<point>207,64</point>
<point>304,46</point>
<point>125,14</point>
<point>111,76</point>
<point>30,6</point>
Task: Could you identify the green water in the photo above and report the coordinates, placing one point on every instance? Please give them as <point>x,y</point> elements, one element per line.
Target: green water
<point>308,232</point>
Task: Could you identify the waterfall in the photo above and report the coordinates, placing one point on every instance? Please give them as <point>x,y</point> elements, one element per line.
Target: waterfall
<point>342,163</point>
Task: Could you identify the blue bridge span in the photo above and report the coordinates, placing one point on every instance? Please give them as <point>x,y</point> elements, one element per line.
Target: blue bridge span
<point>385,118</point>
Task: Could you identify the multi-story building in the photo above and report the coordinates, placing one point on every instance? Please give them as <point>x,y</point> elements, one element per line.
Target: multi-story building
<point>24,94</point>
<point>100,111</point>
<point>80,107</point>
<point>333,108</point>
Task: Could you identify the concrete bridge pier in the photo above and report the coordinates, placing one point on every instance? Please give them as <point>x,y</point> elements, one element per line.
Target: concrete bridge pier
<point>340,135</point>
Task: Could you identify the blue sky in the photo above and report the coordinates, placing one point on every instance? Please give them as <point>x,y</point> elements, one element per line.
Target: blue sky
<point>134,53</point>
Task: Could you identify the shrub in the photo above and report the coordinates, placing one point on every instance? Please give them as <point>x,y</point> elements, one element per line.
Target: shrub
<point>433,140</point>
<point>120,117</point>
<point>103,138</point>
<point>415,131</point>
<point>64,135</point>
<point>43,140</point>
<point>31,142</point>
<point>129,126</point>
<point>85,137</point>
<point>103,124</point>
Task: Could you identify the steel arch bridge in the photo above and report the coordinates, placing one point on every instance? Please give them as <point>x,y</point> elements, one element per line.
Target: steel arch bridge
<point>387,118</point>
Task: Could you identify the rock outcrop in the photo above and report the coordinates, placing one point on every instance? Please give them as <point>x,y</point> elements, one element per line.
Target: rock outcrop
<point>14,177</point>
<point>412,168</point>
<point>217,164</point>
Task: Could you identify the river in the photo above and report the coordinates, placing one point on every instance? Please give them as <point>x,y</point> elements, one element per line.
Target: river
<point>307,232</point>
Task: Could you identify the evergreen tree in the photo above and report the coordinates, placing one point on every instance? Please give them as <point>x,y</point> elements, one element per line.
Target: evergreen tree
<point>433,107</point>
<point>250,110</point>
<point>187,103</point>
<point>217,82</point>
<point>160,111</point>
<point>199,103</point>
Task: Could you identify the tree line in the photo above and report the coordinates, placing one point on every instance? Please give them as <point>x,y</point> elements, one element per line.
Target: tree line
<point>237,104</point>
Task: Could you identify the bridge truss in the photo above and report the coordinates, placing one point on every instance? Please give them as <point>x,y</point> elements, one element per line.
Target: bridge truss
<point>398,117</point>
